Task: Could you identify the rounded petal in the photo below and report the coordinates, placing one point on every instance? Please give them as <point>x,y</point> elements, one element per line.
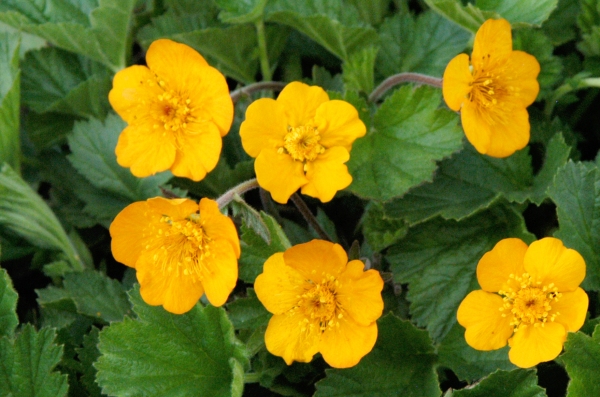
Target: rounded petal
<point>132,87</point>
<point>300,102</point>
<point>218,226</point>
<point>493,43</point>
<point>197,153</point>
<point>176,209</point>
<point>480,314</point>
<point>359,293</point>
<point>219,272</point>
<point>338,124</point>
<point>279,174</point>
<point>264,127</point>
<point>279,285</point>
<point>343,346</point>
<point>145,150</point>
<point>291,337</point>
<point>532,345</point>
<point>327,174</point>
<point>476,127</point>
<point>173,62</point>
<point>521,75</point>
<point>495,267</point>
<point>316,259</point>
<point>571,309</point>
<point>549,261</point>
<point>126,232</point>
<point>457,80</point>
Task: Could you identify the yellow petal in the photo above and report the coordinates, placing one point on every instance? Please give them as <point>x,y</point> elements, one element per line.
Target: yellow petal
<point>338,124</point>
<point>197,153</point>
<point>477,129</point>
<point>496,266</point>
<point>317,259</point>
<point>176,209</point>
<point>533,345</point>
<point>279,174</point>
<point>219,271</point>
<point>343,346</point>
<point>264,127</point>
<point>493,43</point>
<point>174,62</point>
<point>218,226</point>
<point>571,308</point>
<point>480,314</point>
<point>145,150</point>
<point>327,174</point>
<point>126,232</point>
<point>520,75</point>
<point>130,90</point>
<point>549,261</point>
<point>279,286</point>
<point>292,337</point>
<point>300,102</point>
<point>359,293</point>
<point>511,136</point>
<point>457,80</point>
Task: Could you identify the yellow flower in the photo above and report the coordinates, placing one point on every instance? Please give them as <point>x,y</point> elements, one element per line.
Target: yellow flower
<point>301,140</point>
<point>493,92</point>
<point>179,249</point>
<point>320,303</point>
<point>529,297</point>
<point>177,109</point>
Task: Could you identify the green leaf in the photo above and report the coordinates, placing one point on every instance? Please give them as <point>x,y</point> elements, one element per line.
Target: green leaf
<point>58,81</point>
<point>371,12</point>
<point>88,354</point>
<point>28,363</point>
<point>576,193</point>
<point>47,129</point>
<point>245,11</point>
<point>24,213</point>
<point>438,260</point>
<point>557,154</point>
<point>467,363</point>
<point>10,143</point>
<point>256,249</point>
<point>423,44</point>
<point>359,70</point>
<point>56,306</point>
<point>523,12</point>
<point>100,33</point>
<point>402,364</point>
<point>28,42</point>
<point>93,145</point>
<point>8,305</point>
<point>410,133</point>
<point>516,383</point>
<point>469,17</point>
<point>165,354</point>
<point>248,313</point>
<point>379,230</point>
<point>98,296</point>
<point>589,24</point>
<point>334,25</point>
<point>219,180</point>
<point>561,26</point>
<point>581,360</point>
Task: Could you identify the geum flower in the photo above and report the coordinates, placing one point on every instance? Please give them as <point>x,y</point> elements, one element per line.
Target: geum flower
<point>301,140</point>
<point>530,298</point>
<point>492,93</point>
<point>320,303</point>
<point>177,109</point>
<point>180,250</point>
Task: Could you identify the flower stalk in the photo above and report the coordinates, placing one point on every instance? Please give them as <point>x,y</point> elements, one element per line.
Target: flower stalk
<point>240,189</point>
<point>265,68</point>
<point>400,78</point>
<point>252,88</point>
<point>308,215</point>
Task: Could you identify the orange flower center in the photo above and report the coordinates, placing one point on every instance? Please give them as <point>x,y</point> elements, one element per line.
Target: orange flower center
<point>484,91</point>
<point>174,109</point>
<point>528,302</point>
<point>320,305</point>
<point>302,143</point>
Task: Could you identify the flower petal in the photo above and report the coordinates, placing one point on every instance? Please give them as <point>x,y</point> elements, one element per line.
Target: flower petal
<point>359,293</point>
<point>173,62</point>
<point>493,43</point>
<point>218,226</point>
<point>300,102</point>
<point>197,153</point>
<point>533,345</point>
<point>289,336</point>
<point>476,128</point>
<point>571,308</point>
<point>279,285</point>
<point>264,127</point>
<point>457,80</point>
<point>126,232</point>
<point>279,174</point>
<point>338,124</point>
<point>343,346</point>
<point>317,259</point>
<point>549,261</point>
<point>219,272</point>
<point>176,209</point>
<point>480,314</point>
<point>495,267</point>
<point>522,70</point>
<point>327,174</point>
<point>145,150</point>
<point>132,87</point>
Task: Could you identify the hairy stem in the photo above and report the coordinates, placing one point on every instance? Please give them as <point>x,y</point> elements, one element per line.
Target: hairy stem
<point>252,88</point>
<point>400,78</point>
<point>239,189</point>
<point>265,68</point>
<point>310,218</point>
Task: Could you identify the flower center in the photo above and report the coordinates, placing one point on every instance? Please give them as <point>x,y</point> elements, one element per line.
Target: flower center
<point>484,90</point>
<point>528,302</point>
<point>302,143</point>
<point>174,109</point>
<point>320,305</point>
